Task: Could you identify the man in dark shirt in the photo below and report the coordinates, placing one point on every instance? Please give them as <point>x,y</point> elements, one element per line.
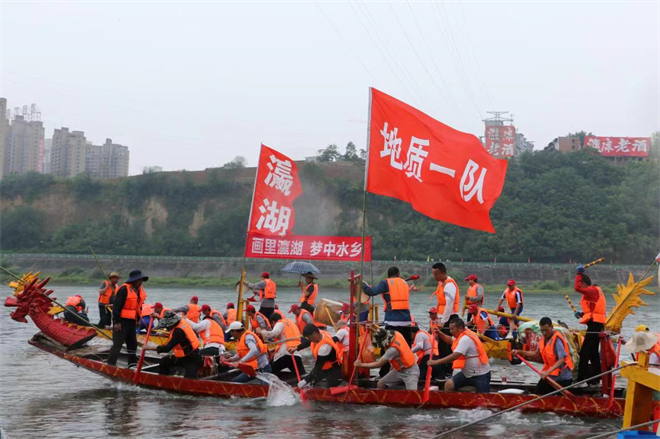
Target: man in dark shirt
<point>185,346</point>
<point>325,355</point>
<point>125,313</point>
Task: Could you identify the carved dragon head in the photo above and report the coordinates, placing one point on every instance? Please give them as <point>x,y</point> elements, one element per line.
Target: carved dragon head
<point>33,297</point>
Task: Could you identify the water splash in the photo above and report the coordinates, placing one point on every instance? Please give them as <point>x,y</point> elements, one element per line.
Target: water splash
<point>280,394</point>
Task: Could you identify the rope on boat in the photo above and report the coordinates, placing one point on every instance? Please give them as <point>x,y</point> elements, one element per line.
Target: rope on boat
<point>531,401</point>
<point>645,424</point>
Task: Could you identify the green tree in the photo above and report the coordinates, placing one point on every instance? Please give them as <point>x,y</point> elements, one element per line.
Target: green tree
<point>350,155</point>
<point>329,154</point>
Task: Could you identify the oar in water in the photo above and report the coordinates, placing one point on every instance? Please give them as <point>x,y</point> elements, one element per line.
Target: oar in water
<point>245,368</point>
<point>345,389</point>
<point>144,351</point>
<point>295,366</point>
<point>552,382</point>
<point>516,407</point>
<point>429,370</point>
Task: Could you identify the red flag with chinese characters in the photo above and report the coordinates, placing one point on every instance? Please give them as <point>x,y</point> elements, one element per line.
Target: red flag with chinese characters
<point>443,173</point>
<point>326,248</point>
<point>275,189</point>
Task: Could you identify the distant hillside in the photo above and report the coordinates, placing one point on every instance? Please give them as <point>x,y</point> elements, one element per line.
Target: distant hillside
<point>554,207</point>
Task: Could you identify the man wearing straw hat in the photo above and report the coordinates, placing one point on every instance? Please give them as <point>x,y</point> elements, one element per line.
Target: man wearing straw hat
<point>309,292</point>
<point>107,292</point>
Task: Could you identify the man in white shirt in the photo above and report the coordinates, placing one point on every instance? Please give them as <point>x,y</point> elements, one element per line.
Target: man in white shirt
<point>448,302</point>
<point>203,329</point>
<point>341,336</point>
<point>422,347</point>
<point>283,356</point>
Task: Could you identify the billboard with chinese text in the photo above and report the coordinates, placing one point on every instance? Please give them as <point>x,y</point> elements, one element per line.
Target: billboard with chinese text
<point>327,248</point>
<point>501,141</point>
<point>619,146</point>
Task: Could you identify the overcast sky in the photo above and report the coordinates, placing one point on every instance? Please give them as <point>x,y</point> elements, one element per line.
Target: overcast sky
<point>191,85</point>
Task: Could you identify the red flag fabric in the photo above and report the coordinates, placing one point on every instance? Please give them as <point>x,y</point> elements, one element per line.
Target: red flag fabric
<point>443,173</point>
<point>275,188</point>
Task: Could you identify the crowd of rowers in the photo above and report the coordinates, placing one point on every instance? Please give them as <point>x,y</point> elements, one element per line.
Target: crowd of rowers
<point>451,349</point>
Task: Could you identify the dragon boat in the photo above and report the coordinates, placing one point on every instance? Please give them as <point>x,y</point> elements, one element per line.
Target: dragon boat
<point>71,343</point>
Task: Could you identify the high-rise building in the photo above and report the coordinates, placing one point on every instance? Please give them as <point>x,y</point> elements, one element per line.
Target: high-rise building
<point>152,169</point>
<point>109,160</point>
<point>24,146</point>
<point>68,153</point>
<point>4,132</point>
<point>48,147</point>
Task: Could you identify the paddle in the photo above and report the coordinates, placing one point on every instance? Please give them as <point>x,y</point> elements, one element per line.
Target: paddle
<point>243,367</point>
<point>144,351</point>
<point>295,366</point>
<point>427,384</point>
<point>552,382</point>
<point>345,389</point>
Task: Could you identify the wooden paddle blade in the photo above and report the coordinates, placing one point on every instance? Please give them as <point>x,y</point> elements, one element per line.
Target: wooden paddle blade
<point>342,389</point>
<point>247,369</point>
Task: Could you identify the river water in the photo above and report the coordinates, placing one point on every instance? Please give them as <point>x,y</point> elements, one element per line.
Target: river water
<point>43,395</point>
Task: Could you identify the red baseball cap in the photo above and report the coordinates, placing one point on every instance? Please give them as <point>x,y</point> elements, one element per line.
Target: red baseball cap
<point>511,282</point>
<point>158,305</point>
<point>433,311</point>
<point>265,274</point>
<point>277,306</point>
<point>471,277</point>
<point>294,307</point>
<point>249,308</point>
<point>194,299</point>
<point>230,305</point>
<point>206,308</point>
<point>473,308</point>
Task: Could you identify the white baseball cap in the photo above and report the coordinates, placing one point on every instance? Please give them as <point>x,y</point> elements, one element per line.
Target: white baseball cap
<point>235,326</point>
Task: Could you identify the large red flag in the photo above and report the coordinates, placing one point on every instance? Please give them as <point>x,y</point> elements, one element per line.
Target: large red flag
<point>443,173</point>
<point>275,189</point>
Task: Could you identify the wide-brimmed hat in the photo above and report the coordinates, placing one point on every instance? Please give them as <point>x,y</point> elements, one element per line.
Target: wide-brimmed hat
<point>641,341</point>
<point>382,338</point>
<point>169,319</point>
<point>136,275</point>
<point>113,274</point>
<point>235,326</point>
<point>310,275</point>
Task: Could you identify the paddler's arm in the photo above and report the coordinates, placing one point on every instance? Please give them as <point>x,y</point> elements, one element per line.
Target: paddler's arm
<point>518,303</point>
<point>304,344</point>
<point>184,309</point>
<point>254,349</point>
<point>448,359</point>
<point>377,290</point>
<point>177,337</point>
<point>325,354</point>
<point>534,356</point>
<point>389,354</point>
<point>256,287</point>
<point>103,287</point>
<point>444,337</point>
<point>479,297</point>
<point>276,332</point>
<point>499,304</point>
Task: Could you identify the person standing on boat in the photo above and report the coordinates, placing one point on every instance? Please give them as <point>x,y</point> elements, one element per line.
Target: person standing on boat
<point>267,291</point>
<point>327,366</point>
<point>433,319</point>
<point>249,350</point>
<point>469,357</point>
<point>192,311</point>
<point>594,315</point>
<point>449,299</point>
<point>184,344</point>
<point>482,322</point>
<point>230,313</point>
<point>514,299</point>
<point>475,294</point>
<point>212,335</point>
<point>257,319</point>
<point>75,311</point>
<point>554,353</point>
<point>310,291</point>
<point>395,292</point>
<point>216,316</point>
<point>107,293</point>
<point>284,329</point>
<point>125,314</point>
<point>396,352</point>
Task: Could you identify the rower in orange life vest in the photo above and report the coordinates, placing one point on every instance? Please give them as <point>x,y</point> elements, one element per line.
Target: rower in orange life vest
<point>433,319</point>
<point>554,353</point>
<point>211,334</point>
<point>449,299</point>
<point>75,311</point>
<point>257,320</point>
<point>303,317</point>
<point>216,316</point>
<point>310,291</point>
<point>327,367</point>
<point>481,322</point>
<point>125,314</point>
<point>158,312</point>
<point>475,294</point>
<point>594,315</point>
<point>183,342</point>
<point>277,311</point>
<point>146,314</point>
<point>192,311</point>
<point>422,349</point>
<point>284,329</point>
<point>250,350</point>
<point>107,292</point>
<point>514,299</point>
<point>230,313</point>
<point>267,290</point>
<point>654,351</point>
<point>469,357</point>
<point>397,352</point>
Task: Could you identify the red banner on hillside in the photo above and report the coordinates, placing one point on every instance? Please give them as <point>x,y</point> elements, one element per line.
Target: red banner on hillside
<point>328,248</point>
<point>275,189</point>
<point>619,146</point>
<point>501,141</point>
<point>443,173</point>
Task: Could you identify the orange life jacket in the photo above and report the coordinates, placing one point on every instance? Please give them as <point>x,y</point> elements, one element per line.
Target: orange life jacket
<point>312,297</point>
<point>420,354</point>
<point>222,318</point>
<point>75,302</point>
<point>162,312</point>
<point>406,357</point>
<point>472,292</point>
<point>278,312</point>
<point>269,291</point>
<point>442,301</point>
<point>511,297</point>
<point>656,347</point>
<point>327,339</point>
<point>290,331</point>
<point>231,315</point>
<point>548,353</point>
<point>595,311</point>
<point>433,323</point>
<point>107,294</point>
<point>190,335</point>
<point>214,334</point>
<point>254,323</point>
<point>397,297</point>
<point>242,348</point>
<point>146,310</point>
<point>134,301</point>
<point>193,313</point>
<point>481,324</point>
<point>459,363</point>
<point>300,322</point>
